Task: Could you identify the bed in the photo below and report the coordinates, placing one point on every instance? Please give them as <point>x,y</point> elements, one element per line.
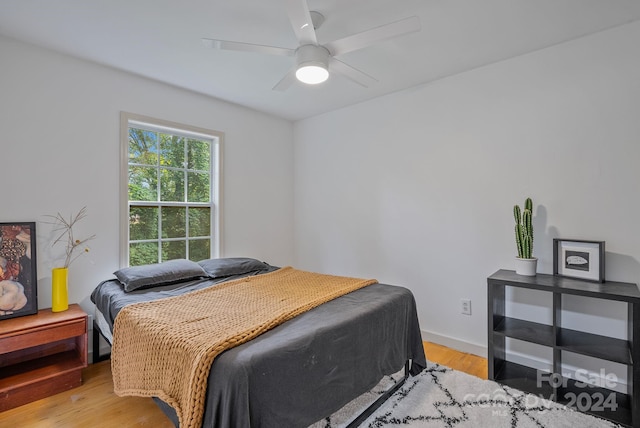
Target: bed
<point>298,372</point>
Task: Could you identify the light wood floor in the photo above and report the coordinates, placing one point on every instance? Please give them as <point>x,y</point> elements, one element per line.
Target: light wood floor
<point>95,405</point>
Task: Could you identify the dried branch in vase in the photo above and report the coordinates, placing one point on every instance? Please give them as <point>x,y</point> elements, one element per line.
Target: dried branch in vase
<point>64,230</point>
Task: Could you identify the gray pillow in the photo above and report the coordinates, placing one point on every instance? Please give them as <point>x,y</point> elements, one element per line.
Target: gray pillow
<point>146,276</point>
<point>217,268</point>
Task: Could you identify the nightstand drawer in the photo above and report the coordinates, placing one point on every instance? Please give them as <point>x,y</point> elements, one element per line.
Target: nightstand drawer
<point>44,335</point>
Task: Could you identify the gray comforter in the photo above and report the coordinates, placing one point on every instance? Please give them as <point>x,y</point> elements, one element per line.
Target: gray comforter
<point>306,368</point>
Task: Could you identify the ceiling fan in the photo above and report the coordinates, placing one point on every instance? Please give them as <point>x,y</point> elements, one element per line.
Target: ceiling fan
<point>314,62</point>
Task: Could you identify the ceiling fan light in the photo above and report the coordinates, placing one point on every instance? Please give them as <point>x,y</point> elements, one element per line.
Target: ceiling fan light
<point>313,64</point>
<point>312,74</point>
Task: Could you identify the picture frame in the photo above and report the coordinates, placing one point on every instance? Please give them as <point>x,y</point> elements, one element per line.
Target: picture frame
<point>18,278</point>
<point>579,259</point>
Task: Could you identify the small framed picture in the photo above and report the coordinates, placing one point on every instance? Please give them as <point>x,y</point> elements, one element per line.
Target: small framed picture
<point>579,259</point>
<point>18,279</point>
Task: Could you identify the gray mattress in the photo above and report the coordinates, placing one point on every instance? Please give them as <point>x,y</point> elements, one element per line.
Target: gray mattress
<point>306,368</point>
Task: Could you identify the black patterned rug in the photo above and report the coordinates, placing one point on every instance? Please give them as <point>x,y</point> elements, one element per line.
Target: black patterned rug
<point>444,398</point>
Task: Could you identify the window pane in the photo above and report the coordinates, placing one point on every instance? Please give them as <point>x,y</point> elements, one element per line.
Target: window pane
<point>172,150</point>
<point>143,183</point>
<point>143,253</point>
<point>198,187</point>
<point>199,222</point>
<point>170,202</point>
<point>174,222</point>
<point>174,250</point>
<point>143,223</point>
<point>199,249</point>
<point>198,154</point>
<point>171,185</point>
<point>143,146</point>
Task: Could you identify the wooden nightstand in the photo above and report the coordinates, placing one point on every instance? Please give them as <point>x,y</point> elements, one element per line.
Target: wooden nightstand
<point>41,355</point>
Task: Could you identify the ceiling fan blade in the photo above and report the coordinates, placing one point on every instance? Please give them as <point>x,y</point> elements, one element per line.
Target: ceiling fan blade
<point>301,21</point>
<point>362,79</point>
<point>286,81</point>
<point>369,37</point>
<point>247,47</point>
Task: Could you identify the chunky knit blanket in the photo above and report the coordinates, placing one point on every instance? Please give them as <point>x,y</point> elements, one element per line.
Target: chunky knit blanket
<point>165,348</point>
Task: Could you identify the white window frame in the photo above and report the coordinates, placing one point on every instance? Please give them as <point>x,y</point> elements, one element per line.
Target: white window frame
<point>217,138</point>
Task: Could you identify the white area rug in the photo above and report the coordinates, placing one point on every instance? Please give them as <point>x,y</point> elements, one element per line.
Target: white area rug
<point>440,397</point>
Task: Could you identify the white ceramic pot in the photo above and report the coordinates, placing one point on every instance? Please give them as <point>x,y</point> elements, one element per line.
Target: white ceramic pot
<point>526,267</point>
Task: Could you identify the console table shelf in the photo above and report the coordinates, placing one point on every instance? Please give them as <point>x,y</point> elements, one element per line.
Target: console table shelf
<point>559,340</point>
<point>533,332</point>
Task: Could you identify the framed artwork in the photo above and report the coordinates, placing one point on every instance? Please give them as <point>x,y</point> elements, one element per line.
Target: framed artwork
<point>579,259</point>
<point>18,279</point>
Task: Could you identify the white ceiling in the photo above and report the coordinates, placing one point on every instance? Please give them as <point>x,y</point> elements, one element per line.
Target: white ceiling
<point>160,39</point>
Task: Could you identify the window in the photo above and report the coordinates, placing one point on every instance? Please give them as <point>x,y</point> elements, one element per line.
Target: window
<point>170,191</point>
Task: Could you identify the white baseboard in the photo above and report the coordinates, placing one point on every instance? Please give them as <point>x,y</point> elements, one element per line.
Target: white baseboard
<point>457,344</point>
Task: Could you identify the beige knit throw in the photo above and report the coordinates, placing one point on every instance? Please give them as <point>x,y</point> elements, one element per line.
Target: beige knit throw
<point>165,348</point>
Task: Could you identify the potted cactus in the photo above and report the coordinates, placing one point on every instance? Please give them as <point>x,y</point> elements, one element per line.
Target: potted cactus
<point>525,262</point>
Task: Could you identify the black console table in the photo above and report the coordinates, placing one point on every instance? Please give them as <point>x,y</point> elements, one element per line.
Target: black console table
<point>600,401</point>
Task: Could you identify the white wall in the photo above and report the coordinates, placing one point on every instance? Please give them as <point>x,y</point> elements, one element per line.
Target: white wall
<point>59,139</point>
<point>417,188</point>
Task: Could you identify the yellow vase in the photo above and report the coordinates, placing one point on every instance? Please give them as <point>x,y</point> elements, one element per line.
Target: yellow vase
<point>59,293</point>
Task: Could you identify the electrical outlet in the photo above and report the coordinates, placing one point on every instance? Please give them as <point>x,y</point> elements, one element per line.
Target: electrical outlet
<point>465,306</point>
